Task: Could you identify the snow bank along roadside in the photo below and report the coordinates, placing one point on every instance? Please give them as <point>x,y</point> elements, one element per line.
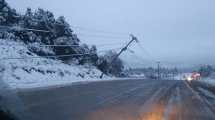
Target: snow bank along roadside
<point>25,72</point>
<point>209,81</point>
<point>75,83</point>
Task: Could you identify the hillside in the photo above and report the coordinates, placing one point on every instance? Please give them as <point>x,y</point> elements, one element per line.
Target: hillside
<point>39,50</point>
<point>21,71</point>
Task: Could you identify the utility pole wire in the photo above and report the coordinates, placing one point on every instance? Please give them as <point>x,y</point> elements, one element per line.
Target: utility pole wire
<point>99,31</point>
<point>110,44</point>
<point>139,57</point>
<point>86,29</point>
<point>52,56</point>
<point>17,28</point>
<point>100,36</point>
<point>122,50</point>
<point>17,45</point>
<point>22,29</point>
<point>152,57</point>
<point>56,56</point>
<point>102,51</point>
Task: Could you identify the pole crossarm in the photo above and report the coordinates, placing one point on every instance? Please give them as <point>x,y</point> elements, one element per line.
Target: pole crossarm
<point>133,39</point>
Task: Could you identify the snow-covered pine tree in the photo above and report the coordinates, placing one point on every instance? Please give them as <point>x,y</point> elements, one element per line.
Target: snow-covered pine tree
<point>7,15</point>
<point>62,27</point>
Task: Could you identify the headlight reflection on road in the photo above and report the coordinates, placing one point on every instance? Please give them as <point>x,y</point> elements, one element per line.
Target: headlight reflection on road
<point>160,112</point>
<point>155,112</point>
<point>189,78</point>
<point>114,113</point>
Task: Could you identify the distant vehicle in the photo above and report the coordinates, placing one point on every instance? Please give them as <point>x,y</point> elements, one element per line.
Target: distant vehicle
<point>196,76</point>
<point>193,76</point>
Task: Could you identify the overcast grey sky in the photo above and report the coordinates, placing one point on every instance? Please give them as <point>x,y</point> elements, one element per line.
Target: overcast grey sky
<point>174,31</point>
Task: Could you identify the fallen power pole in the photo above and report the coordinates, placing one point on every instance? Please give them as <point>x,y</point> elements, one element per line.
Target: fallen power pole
<point>133,38</point>
<point>159,76</point>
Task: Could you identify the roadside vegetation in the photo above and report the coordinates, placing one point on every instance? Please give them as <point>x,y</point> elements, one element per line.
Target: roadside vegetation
<point>41,27</point>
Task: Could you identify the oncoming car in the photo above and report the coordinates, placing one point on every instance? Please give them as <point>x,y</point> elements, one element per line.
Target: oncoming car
<point>193,76</point>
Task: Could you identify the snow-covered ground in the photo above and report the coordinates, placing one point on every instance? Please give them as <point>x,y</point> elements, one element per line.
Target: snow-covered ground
<point>182,76</point>
<point>38,72</point>
<point>142,75</point>
<point>209,80</point>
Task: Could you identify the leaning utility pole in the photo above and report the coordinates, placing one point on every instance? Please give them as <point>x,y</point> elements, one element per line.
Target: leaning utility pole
<point>133,38</point>
<point>159,76</point>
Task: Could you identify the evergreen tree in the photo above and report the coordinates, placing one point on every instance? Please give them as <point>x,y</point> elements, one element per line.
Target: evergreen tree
<point>8,16</point>
<point>206,71</point>
<point>62,28</point>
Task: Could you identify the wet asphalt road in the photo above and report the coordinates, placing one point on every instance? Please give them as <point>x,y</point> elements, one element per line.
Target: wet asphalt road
<point>122,100</point>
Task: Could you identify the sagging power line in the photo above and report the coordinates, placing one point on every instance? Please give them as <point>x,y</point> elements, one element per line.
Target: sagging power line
<point>138,56</point>
<point>91,30</point>
<point>57,56</point>
<point>133,38</point>
<point>100,36</point>
<point>115,36</point>
<point>45,45</point>
<point>17,28</point>
<point>99,31</point>
<point>52,56</point>
<point>16,45</point>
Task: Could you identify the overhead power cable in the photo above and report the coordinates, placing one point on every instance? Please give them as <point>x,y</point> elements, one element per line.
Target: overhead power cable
<point>55,56</point>
<point>46,31</point>
<point>102,51</point>
<point>52,56</point>
<point>143,49</point>
<point>101,36</point>
<point>44,45</point>
<point>99,31</point>
<point>41,45</point>
<point>153,58</point>
<point>87,29</point>
<point>22,29</point>
<point>137,56</point>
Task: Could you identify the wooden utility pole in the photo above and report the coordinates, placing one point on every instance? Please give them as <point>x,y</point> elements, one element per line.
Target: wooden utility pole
<point>133,38</point>
<point>159,76</point>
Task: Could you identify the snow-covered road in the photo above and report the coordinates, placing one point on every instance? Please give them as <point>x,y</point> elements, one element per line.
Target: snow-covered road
<point>122,100</point>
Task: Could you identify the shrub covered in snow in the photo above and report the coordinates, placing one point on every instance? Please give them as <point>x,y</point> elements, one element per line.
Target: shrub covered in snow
<point>108,66</point>
<point>25,72</point>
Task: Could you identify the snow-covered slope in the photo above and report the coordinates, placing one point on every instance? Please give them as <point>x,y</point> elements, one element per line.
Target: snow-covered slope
<point>38,72</point>
<point>209,80</point>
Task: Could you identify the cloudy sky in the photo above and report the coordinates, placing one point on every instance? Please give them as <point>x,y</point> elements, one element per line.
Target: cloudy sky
<point>172,31</point>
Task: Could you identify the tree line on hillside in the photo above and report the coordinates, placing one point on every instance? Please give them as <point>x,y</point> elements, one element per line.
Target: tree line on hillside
<point>55,31</point>
<point>206,70</point>
<point>152,73</point>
